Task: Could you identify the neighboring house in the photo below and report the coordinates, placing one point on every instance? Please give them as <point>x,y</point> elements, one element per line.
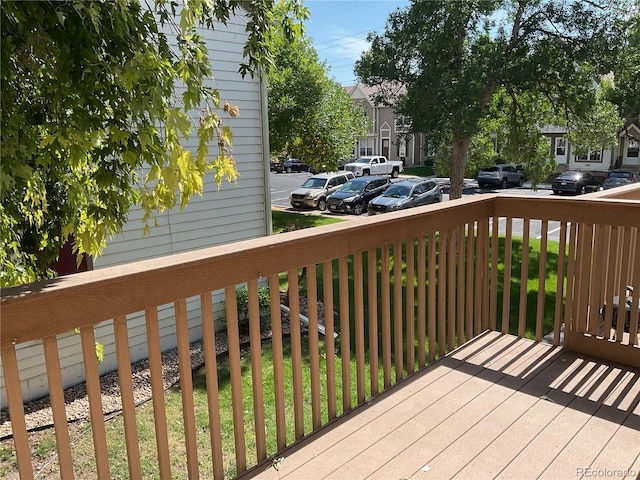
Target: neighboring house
<point>387,131</point>
<point>232,213</point>
<point>385,137</point>
<point>628,152</point>
<point>624,155</point>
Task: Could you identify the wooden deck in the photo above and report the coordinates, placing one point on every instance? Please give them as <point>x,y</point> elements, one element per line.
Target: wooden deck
<point>498,407</point>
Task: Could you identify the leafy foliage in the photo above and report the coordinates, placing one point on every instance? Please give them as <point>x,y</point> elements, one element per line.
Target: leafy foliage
<point>442,62</point>
<point>310,116</point>
<point>242,305</point>
<point>598,128</point>
<point>96,102</point>
<point>626,91</point>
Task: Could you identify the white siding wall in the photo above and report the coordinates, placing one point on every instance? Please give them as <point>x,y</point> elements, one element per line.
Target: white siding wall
<point>232,213</point>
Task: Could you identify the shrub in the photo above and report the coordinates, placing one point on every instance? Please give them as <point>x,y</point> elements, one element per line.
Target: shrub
<point>242,304</point>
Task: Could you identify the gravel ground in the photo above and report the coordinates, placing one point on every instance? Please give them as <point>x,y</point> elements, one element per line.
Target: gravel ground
<point>38,413</point>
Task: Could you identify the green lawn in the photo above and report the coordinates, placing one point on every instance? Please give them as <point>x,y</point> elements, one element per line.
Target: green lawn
<point>422,171</point>
<point>287,221</point>
<point>83,450</point>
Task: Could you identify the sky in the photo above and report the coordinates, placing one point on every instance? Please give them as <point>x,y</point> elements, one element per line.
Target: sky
<point>339,30</point>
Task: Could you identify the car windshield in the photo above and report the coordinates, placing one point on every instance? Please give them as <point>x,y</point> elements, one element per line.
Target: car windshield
<point>363,160</point>
<point>569,174</point>
<point>397,191</point>
<point>314,183</point>
<point>352,187</point>
<point>620,175</point>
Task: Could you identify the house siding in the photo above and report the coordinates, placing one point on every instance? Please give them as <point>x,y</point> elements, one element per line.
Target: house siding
<point>382,132</point>
<point>569,161</point>
<point>230,213</point>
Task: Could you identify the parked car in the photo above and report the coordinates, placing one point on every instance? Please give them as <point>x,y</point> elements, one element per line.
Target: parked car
<point>575,182</point>
<point>274,165</point>
<point>374,165</point>
<point>343,162</point>
<point>293,165</point>
<point>355,195</point>
<point>408,193</point>
<point>314,191</point>
<point>501,175</point>
<point>617,178</point>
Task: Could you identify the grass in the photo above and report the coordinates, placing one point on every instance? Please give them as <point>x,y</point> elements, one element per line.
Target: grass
<point>82,447</point>
<point>422,171</point>
<point>513,288</point>
<point>287,221</point>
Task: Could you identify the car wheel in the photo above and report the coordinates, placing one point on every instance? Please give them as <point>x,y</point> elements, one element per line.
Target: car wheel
<point>365,173</point>
<point>289,170</point>
<point>395,173</point>
<point>436,200</point>
<point>481,185</point>
<point>579,190</point>
<point>322,204</point>
<point>358,208</point>
<point>556,192</point>
<point>504,183</point>
<point>520,182</point>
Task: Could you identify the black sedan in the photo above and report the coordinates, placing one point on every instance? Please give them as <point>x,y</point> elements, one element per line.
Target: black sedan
<point>575,182</point>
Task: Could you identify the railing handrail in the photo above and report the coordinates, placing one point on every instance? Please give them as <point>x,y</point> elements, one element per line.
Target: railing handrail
<point>37,310</point>
<point>32,311</point>
<point>581,209</point>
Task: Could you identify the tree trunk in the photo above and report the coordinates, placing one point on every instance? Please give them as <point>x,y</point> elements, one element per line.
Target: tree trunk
<point>459,147</point>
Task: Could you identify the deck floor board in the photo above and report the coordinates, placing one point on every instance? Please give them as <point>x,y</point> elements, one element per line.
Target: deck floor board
<point>498,407</point>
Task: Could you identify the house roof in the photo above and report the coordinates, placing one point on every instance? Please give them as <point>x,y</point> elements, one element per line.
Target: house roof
<point>370,92</point>
<point>631,130</point>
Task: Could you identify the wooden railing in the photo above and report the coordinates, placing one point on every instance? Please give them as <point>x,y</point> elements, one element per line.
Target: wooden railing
<point>407,288</point>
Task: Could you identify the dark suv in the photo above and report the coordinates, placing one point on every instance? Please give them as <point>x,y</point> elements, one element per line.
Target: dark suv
<point>501,175</point>
<point>617,178</point>
<point>353,196</point>
<point>292,165</point>
<point>408,193</point>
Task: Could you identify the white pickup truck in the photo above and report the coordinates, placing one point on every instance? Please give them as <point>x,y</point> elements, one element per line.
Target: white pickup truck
<point>374,165</point>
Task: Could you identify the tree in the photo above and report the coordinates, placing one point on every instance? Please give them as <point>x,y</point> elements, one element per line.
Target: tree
<point>442,62</point>
<point>598,128</point>
<point>95,102</point>
<point>625,92</point>
<point>310,116</point>
<point>509,133</point>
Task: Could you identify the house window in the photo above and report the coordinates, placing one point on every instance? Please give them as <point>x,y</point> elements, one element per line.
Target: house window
<point>402,148</point>
<point>366,147</point>
<point>370,118</point>
<point>561,146</point>
<point>403,124</point>
<point>494,138</point>
<point>591,156</point>
<point>633,148</point>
